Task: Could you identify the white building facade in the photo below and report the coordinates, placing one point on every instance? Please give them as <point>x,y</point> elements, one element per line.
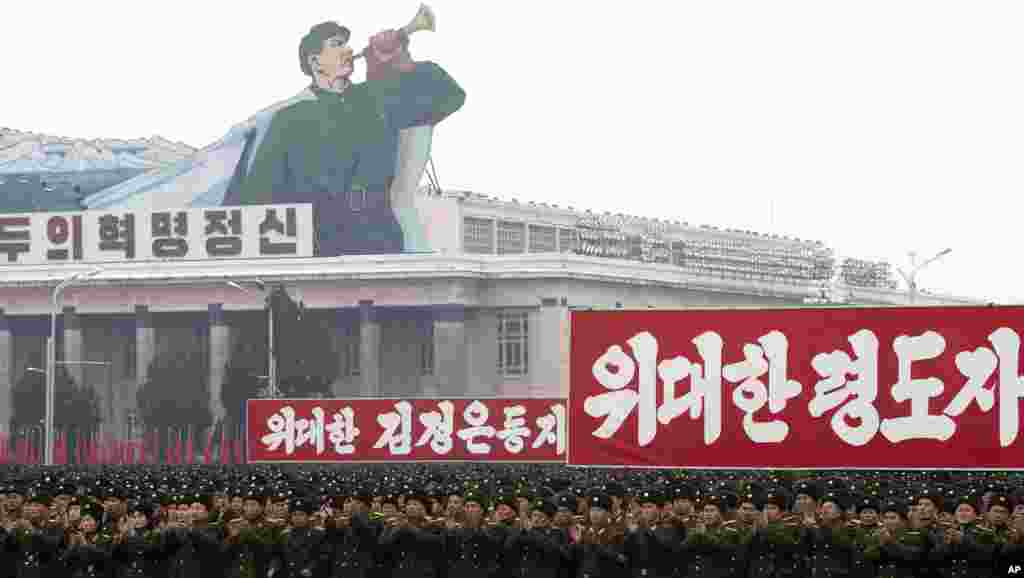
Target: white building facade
<point>485,314</point>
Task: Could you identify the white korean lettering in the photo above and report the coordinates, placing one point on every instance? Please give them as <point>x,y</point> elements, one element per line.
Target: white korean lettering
<point>397,426</point>
<point>552,429</point>
<point>705,395</point>
<point>617,403</point>
<point>977,366</point>
<point>476,415</point>
<point>834,390</point>
<point>311,430</point>
<point>515,429</point>
<point>282,427</point>
<point>919,424</point>
<point>1011,385</point>
<point>752,394</point>
<point>439,428</point>
<point>343,431</point>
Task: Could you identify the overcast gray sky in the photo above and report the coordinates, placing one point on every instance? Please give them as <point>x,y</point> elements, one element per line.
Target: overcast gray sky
<point>879,127</point>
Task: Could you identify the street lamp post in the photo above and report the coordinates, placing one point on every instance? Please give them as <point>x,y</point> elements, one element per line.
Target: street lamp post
<point>51,359</point>
<point>271,358</point>
<point>911,277</point>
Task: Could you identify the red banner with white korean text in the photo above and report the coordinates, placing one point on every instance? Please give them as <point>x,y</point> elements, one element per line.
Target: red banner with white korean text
<point>800,388</point>
<point>406,430</point>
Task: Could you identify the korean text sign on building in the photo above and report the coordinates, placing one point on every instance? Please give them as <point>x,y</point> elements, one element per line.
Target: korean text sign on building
<point>413,430</point>
<point>878,388</point>
<point>139,235</point>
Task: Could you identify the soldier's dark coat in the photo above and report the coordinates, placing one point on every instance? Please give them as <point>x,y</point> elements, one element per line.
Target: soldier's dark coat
<point>537,553</point>
<point>412,553</point>
<point>777,551</point>
<point>351,552</point>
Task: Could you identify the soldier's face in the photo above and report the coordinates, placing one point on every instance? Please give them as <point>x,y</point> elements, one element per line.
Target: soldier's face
<point>650,512</point>
<point>869,516</point>
<point>965,514</point>
<point>300,519</point>
<point>805,503</point>
<point>504,512</point>
<point>926,509</point>
<point>389,509</point>
<point>87,524</point>
<point>830,512</point>
<point>414,509</point>
<point>539,519</point>
<point>252,509</point>
<point>563,518</point>
<point>220,503</point>
<point>335,60</point>
<point>998,515</point>
<point>237,505</point>
<point>683,507</point>
<point>772,512</point>
<point>599,516</point>
<point>199,512</point>
<point>1018,510</point>
<point>711,514</point>
<point>748,513</point>
<point>474,512</point>
<point>892,521</point>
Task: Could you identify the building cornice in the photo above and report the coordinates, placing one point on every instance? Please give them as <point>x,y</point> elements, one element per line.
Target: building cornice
<point>439,267</point>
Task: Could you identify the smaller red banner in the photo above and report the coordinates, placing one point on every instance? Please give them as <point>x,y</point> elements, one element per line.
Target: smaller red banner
<point>406,430</point>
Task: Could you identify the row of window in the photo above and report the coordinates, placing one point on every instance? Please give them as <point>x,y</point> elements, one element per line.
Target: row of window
<point>479,237</point>
<point>513,348</point>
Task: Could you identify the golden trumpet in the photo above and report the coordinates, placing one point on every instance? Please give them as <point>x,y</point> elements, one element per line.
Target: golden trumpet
<point>424,20</point>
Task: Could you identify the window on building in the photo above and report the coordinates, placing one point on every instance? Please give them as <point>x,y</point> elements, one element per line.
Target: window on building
<point>477,235</point>
<point>513,341</point>
<point>568,240</point>
<point>511,237</point>
<point>543,239</point>
<point>350,350</point>
<point>426,358</point>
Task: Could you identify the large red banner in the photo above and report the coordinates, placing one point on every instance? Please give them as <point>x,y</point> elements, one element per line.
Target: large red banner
<point>406,430</point>
<point>826,388</point>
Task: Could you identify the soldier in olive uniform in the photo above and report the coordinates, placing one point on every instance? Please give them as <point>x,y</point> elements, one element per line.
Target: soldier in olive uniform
<point>714,548</point>
<point>598,551</point>
<point>652,549</point>
<point>777,549</point>
<point>140,550</point>
<point>302,544</point>
<point>832,543</point>
<point>541,551</point>
<point>36,540</point>
<point>474,549</point>
<point>351,539</point>
<point>896,549</point>
<point>408,548</point>
<point>250,544</point>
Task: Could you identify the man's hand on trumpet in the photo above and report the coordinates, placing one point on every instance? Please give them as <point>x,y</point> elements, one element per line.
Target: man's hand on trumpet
<point>388,50</point>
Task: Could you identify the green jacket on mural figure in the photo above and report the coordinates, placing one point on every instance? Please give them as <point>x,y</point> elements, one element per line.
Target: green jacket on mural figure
<point>339,150</point>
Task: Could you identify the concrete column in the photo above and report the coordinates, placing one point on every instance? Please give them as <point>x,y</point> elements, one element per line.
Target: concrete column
<point>450,350</point>
<point>369,349</point>
<point>6,371</point>
<point>145,344</point>
<point>73,350</point>
<point>429,384</point>
<point>220,352</point>
<point>546,348</point>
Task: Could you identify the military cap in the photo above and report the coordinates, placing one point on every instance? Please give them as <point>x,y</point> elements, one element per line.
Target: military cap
<point>255,493</point>
<point>867,503</point>
<point>615,489</point>
<point>898,507</point>
<point>651,495</point>
<point>970,500</point>
<point>547,506</point>
<point>304,504</point>
<point>565,502</point>
<point>806,488</point>
<point>507,498</point>
<point>722,500</point>
<point>777,497</point>
<point>1000,500</point>
<point>146,508</point>
<point>838,497</point>
<point>601,501</point>
<point>682,491</point>
<point>39,495</point>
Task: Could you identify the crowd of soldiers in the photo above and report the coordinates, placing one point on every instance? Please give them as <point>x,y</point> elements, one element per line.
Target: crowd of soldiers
<point>502,521</point>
